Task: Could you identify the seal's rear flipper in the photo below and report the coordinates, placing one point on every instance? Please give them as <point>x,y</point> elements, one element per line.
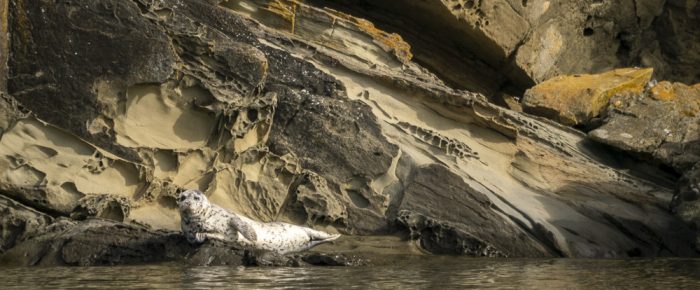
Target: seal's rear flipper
<point>319,235</point>
<point>330,238</point>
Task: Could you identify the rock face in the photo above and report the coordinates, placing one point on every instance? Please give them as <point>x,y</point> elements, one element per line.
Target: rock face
<point>489,46</point>
<point>573,100</point>
<point>654,121</point>
<point>436,203</point>
<point>283,111</point>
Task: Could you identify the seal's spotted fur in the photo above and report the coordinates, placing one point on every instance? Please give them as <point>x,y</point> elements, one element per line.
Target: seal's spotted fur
<point>201,220</point>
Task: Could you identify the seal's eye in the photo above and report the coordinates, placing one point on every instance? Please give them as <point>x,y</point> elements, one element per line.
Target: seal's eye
<point>196,197</point>
<point>182,198</point>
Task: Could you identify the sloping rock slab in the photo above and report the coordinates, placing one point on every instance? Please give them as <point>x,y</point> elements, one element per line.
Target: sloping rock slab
<point>447,216</point>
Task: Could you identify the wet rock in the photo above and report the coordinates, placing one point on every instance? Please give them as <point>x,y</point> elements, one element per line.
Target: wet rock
<point>573,100</point>
<point>322,259</point>
<point>215,253</point>
<point>662,125</point>
<point>269,259</point>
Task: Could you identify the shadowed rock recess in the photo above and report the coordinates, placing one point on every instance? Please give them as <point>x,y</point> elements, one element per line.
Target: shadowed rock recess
<point>285,111</point>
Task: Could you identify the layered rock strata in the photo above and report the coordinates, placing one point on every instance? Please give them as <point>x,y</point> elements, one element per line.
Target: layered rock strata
<point>310,116</point>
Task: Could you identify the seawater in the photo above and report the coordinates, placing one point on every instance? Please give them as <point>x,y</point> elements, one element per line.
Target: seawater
<point>427,273</point>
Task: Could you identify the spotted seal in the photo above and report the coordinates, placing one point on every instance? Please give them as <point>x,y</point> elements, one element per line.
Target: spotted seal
<point>201,220</point>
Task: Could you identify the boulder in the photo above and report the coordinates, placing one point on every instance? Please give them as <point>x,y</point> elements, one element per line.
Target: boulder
<point>661,125</point>
<point>576,99</point>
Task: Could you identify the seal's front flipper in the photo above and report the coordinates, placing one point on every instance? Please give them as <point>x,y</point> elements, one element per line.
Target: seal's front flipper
<point>245,229</point>
<point>197,238</point>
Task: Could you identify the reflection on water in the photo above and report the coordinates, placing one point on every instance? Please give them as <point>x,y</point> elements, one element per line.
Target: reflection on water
<point>430,272</point>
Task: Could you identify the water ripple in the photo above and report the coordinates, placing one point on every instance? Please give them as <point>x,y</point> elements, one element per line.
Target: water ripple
<point>434,272</point>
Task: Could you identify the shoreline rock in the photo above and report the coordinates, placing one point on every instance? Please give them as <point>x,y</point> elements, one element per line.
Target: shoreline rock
<point>98,242</point>
<point>113,106</point>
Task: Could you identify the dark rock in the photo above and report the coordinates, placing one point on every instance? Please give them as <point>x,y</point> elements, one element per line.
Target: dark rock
<point>214,253</point>
<point>316,128</point>
<point>58,57</point>
<point>270,259</point>
<point>686,202</point>
<point>447,216</point>
<point>661,124</point>
<point>17,222</point>
<point>322,259</point>
<point>97,242</point>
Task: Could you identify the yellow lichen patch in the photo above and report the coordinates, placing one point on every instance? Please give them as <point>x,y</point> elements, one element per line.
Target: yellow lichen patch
<point>663,91</point>
<point>686,98</point>
<point>285,8</point>
<point>389,41</point>
<point>575,99</point>
<point>327,27</point>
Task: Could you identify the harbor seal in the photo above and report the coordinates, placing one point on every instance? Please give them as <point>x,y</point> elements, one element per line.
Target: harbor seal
<point>201,220</point>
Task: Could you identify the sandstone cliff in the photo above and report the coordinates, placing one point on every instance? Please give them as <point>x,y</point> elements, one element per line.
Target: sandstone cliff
<point>289,111</point>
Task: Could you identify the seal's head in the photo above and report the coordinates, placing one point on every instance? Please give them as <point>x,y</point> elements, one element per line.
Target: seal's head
<point>193,202</point>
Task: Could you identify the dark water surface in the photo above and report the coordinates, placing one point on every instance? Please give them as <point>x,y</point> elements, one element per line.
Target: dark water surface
<point>433,272</point>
